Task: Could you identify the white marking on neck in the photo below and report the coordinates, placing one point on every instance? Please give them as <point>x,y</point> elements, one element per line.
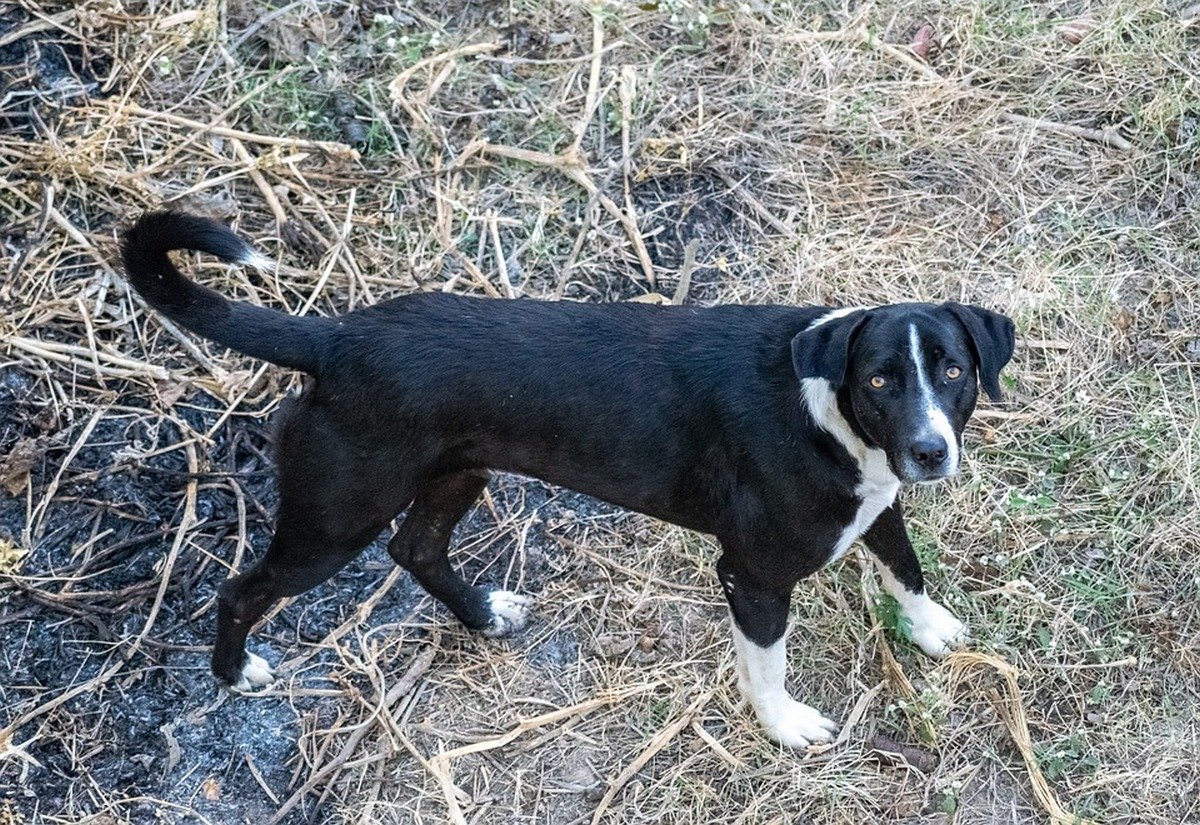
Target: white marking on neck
<point>938,422</point>
<point>877,486</point>
<point>834,314</point>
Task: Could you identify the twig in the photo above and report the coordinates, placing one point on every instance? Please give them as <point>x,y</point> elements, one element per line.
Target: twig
<point>361,614</point>
<point>542,720</point>
<point>593,80</point>
<point>906,57</point>
<point>450,791</point>
<point>397,87</point>
<point>258,777</point>
<point>717,748</point>
<point>685,271</point>
<point>660,741</point>
<point>185,524</point>
<point>852,719</point>
<point>637,575</point>
<point>570,163</point>
<point>501,264</point>
<point>333,148</point>
<point>441,765</point>
<point>33,530</point>
<point>56,21</point>
<point>57,351</point>
<point>1109,137</point>
<point>754,203</point>
<point>406,683</point>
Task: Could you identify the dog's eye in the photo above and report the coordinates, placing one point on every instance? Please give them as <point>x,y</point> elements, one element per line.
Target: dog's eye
<point>878,382</point>
<point>953,372</point>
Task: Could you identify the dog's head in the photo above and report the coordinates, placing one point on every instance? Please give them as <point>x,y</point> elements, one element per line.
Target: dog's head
<point>905,377</point>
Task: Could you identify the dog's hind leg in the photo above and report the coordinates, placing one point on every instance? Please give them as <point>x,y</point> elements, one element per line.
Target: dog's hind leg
<point>422,545</point>
<point>301,556</point>
<point>336,495</point>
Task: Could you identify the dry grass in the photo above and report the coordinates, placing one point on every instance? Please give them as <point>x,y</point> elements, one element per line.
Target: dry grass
<point>552,149</point>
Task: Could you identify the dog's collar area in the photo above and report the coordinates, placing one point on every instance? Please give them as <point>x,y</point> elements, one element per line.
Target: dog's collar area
<point>823,409</point>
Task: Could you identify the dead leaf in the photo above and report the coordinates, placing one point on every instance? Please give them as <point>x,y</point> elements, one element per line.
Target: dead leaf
<point>15,467</point>
<point>922,41</point>
<point>238,382</point>
<point>325,30</point>
<point>218,205</point>
<point>179,19</point>
<point>612,645</point>
<point>288,39</point>
<point>171,392</point>
<point>650,298</point>
<point>891,752</point>
<point>11,556</point>
<point>1073,31</point>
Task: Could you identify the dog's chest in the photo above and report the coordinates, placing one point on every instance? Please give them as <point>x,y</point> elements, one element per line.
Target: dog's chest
<point>876,491</point>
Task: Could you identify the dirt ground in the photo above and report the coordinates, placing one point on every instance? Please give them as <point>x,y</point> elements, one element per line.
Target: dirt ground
<point>1036,158</point>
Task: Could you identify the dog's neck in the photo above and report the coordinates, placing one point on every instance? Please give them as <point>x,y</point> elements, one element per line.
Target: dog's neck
<point>822,403</point>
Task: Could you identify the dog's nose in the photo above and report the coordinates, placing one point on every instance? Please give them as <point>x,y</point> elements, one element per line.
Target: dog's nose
<point>929,452</point>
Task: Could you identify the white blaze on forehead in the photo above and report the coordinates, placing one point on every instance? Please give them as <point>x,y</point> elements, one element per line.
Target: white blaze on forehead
<point>935,416</point>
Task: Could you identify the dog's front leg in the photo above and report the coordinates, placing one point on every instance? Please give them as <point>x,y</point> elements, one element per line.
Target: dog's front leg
<point>759,629</point>
<point>934,628</point>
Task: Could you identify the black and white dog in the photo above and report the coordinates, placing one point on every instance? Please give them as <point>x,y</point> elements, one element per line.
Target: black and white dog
<point>785,432</point>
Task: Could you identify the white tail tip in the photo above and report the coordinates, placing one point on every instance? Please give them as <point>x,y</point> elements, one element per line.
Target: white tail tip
<point>257,260</point>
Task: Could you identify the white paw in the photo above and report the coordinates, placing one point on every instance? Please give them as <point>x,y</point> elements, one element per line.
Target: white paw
<point>510,612</point>
<point>795,724</point>
<point>935,629</point>
<point>255,673</point>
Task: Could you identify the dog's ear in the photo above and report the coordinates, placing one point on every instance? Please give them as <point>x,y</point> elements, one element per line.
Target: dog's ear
<point>992,338</point>
<point>821,351</point>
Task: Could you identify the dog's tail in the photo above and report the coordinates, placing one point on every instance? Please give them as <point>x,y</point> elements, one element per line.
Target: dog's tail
<point>269,334</point>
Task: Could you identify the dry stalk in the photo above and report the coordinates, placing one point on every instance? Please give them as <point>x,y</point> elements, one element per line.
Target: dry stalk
<point>331,769</point>
<point>970,665</point>
<point>332,148</point>
<point>657,743</point>
<point>1109,137</point>
<point>398,85</point>
<point>571,164</point>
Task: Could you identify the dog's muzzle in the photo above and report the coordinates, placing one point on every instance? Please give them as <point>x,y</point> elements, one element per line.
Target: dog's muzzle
<point>926,459</point>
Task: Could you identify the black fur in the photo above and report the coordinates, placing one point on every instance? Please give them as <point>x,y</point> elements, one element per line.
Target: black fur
<point>992,338</point>
<point>695,416</point>
<point>254,331</point>
<point>824,350</point>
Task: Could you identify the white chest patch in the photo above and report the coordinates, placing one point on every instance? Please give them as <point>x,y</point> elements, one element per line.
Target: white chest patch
<point>878,485</point>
